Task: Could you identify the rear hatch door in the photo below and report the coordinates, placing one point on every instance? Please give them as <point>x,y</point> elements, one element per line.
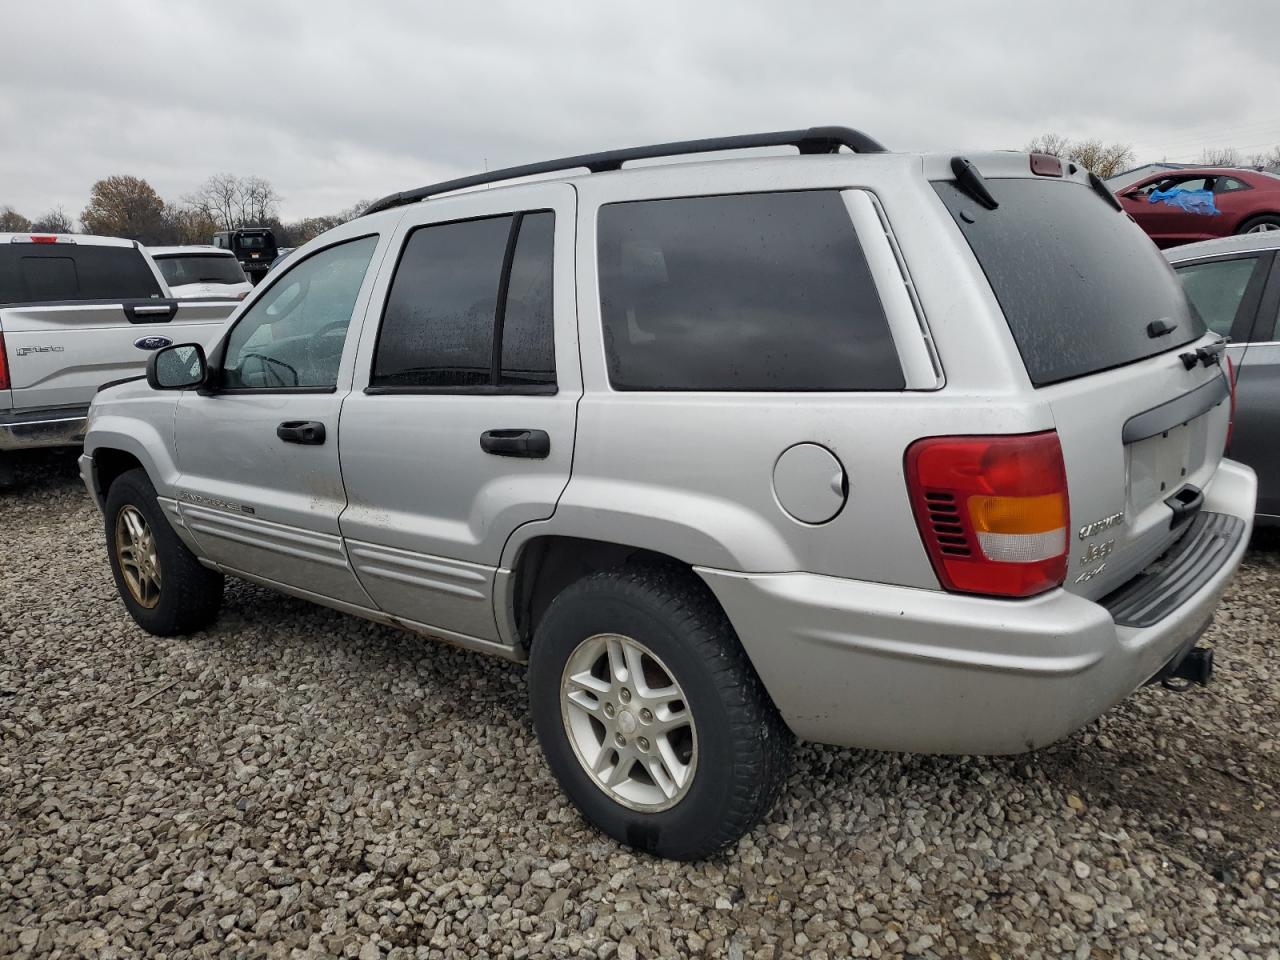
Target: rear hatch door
<point>1102,324</point>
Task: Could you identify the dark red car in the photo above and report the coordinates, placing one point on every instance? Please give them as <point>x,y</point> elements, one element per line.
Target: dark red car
<point>1184,206</point>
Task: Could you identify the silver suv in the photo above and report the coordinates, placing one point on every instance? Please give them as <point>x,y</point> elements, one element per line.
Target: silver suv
<point>904,452</point>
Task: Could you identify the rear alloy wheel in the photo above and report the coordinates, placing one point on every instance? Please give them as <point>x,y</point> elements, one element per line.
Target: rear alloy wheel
<point>628,721</point>
<point>650,714</point>
<point>1263,224</point>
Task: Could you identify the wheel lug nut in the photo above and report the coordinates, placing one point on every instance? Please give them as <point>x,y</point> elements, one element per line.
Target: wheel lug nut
<point>625,695</point>
<point>620,740</point>
<point>646,716</point>
<point>642,743</point>
<point>609,711</point>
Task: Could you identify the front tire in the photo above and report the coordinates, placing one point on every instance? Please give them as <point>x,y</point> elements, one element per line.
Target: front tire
<point>650,715</point>
<point>164,587</point>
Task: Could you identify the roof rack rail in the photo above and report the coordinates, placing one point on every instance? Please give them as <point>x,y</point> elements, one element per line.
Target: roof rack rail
<point>812,140</point>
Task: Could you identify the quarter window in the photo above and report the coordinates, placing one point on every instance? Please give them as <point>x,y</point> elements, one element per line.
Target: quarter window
<point>1216,289</point>
<point>470,309</point>
<point>293,336</point>
<point>752,292</point>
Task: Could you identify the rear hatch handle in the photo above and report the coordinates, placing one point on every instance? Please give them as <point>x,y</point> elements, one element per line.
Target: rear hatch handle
<point>151,311</point>
<point>1185,504</point>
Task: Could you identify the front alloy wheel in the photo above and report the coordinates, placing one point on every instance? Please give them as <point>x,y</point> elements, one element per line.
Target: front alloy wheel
<point>628,722</point>
<point>136,555</point>
<point>164,587</point>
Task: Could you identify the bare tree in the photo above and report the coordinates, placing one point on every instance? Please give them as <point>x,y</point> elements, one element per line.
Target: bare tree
<point>1220,157</point>
<point>1269,159</point>
<point>55,221</point>
<point>1053,144</point>
<point>258,200</point>
<point>11,221</point>
<point>124,206</point>
<point>306,229</point>
<point>233,201</point>
<point>1104,159</point>
<point>188,226</point>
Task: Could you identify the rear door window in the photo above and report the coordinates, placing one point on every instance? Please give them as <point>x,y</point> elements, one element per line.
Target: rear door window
<point>746,292</point>
<point>1078,282</point>
<point>470,309</point>
<point>43,273</point>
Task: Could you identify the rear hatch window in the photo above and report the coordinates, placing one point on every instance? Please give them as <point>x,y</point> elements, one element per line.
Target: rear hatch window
<point>200,268</point>
<point>1078,282</point>
<point>44,273</point>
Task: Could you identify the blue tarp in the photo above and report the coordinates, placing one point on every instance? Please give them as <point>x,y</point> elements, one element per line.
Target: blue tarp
<point>1192,201</point>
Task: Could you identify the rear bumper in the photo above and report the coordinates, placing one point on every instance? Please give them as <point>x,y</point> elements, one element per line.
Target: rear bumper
<point>43,428</point>
<point>897,668</point>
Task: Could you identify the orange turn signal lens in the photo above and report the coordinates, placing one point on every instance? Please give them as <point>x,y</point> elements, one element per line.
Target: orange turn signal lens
<point>1018,514</point>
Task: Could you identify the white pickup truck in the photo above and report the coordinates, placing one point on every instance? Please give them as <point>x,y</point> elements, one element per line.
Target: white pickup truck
<point>77,312</point>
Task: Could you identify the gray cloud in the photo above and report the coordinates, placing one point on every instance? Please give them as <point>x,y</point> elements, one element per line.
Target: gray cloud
<point>338,101</point>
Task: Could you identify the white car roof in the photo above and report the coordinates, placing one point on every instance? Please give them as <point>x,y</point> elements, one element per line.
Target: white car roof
<point>84,239</point>
<point>1243,243</point>
<point>203,249</point>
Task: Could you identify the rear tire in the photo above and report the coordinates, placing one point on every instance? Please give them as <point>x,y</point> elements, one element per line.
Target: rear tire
<point>1265,223</point>
<point>164,587</point>
<point>723,764</point>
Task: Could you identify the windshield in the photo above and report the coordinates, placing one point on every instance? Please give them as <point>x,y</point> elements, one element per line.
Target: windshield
<point>200,268</point>
<point>252,242</point>
<point>1077,281</point>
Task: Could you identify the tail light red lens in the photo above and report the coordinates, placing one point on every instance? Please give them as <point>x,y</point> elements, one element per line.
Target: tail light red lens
<point>993,512</point>
<point>4,365</point>
<point>1231,421</point>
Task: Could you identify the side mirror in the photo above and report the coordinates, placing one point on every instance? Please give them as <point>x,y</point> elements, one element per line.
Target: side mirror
<point>178,367</point>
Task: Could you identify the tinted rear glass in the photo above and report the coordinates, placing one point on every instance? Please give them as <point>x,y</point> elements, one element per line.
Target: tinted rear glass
<point>761,292</point>
<point>437,327</point>
<point>1077,281</point>
<point>528,342</point>
<point>40,273</point>
<point>200,268</point>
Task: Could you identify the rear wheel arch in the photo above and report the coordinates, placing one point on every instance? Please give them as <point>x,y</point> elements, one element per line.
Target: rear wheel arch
<point>546,565</point>
<point>1251,221</point>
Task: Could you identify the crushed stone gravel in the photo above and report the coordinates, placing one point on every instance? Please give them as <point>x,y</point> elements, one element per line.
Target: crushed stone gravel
<point>295,782</point>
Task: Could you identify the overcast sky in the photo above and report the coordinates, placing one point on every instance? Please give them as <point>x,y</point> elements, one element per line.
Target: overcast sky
<point>338,101</point>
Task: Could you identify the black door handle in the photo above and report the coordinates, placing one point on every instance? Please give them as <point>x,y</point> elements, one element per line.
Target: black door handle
<point>150,311</point>
<point>301,431</point>
<point>533,444</point>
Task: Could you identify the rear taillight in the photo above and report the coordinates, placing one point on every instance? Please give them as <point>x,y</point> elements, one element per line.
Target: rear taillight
<point>1231,420</point>
<point>4,366</point>
<point>992,511</point>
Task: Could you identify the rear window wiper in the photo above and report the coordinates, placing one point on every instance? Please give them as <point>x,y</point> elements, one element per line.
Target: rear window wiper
<point>970,180</point>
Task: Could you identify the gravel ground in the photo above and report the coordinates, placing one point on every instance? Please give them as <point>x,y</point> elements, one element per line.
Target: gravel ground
<point>297,782</point>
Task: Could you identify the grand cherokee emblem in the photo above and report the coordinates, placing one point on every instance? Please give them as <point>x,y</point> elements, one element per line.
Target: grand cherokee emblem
<point>1106,523</point>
